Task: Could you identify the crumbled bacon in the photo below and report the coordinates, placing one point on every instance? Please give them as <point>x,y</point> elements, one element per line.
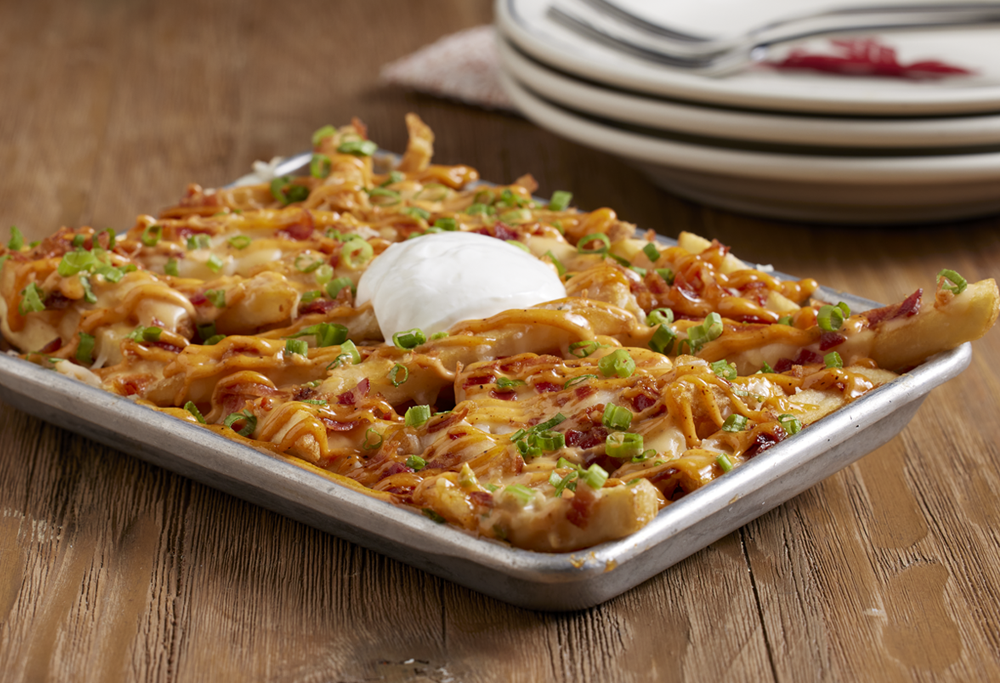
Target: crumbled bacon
<point>505,395</point>
<point>349,398</point>
<point>545,387</point>
<point>828,340</point>
<point>337,425</point>
<point>910,306</point>
<point>641,402</point>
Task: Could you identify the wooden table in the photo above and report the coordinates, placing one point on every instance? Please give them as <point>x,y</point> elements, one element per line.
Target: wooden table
<point>111,569</point>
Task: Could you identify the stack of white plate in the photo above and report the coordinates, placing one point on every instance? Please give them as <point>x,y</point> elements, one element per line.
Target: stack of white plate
<point>790,144</point>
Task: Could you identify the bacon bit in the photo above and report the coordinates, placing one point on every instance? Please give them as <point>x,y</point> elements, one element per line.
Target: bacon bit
<point>765,440</point>
<point>130,386</point>
<point>394,468</point>
<point>656,284</point>
<point>545,387</point>
<point>349,398</point>
<point>908,307</point>
<point>583,391</point>
<point>867,57</point>
<point>589,438</point>
<point>318,306</point>
<point>502,232</point>
<point>301,230</point>
<point>481,499</point>
<point>478,380</point>
<point>580,506</point>
<point>641,402</point>
<point>447,421</point>
<point>198,298</point>
<point>756,290</point>
<point>507,395</point>
<point>454,436</point>
<point>338,426</point>
<point>303,393</point>
<point>828,340</point>
<point>52,346</point>
<point>805,357</point>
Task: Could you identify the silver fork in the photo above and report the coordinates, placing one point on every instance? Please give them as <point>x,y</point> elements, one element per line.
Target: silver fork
<point>612,26</point>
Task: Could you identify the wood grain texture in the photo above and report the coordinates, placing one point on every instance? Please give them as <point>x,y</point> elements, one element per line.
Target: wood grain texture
<point>112,569</point>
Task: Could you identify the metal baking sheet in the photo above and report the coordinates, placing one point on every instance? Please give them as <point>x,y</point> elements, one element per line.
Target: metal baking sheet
<point>557,582</point>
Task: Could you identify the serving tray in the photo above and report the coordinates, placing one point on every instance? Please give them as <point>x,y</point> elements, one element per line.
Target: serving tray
<point>564,581</point>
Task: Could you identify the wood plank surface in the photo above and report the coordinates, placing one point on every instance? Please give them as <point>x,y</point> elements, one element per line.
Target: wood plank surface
<point>114,570</point>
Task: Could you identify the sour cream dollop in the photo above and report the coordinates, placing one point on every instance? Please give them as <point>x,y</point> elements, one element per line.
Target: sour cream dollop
<point>437,280</point>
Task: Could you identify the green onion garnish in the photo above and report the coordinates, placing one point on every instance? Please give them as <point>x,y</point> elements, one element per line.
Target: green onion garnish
<point>394,177</point>
<point>361,148</point>
<point>562,483</point>
<point>409,339</point>
<point>560,268</point>
<point>314,401</point>
<point>618,362</point>
<point>394,374</point>
<point>356,253</point>
<point>710,329</point>
<point>193,409</point>
<point>239,241</point>
<point>790,423</point>
<point>88,292</point>
<point>335,285</point>
<point>319,165</point>
<point>734,423</point>
<point>560,200</point>
<point>582,349</point>
<point>85,349</point>
<point>616,417</point>
<point>310,296</point>
<point>286,192</point>
<point>324,132</point>
<point>416,212</point>
<point>595,476</point>
<point>349,350</point>
<point>214,263</point>
<point>605,244</point>
<point>651,252</point>
<point>724,369</point>
<point>833,360</point>
<point>553,421</point>
<point>417,415</point>
<point>579,379</point>
<point>449,224</point>
<point>171,267</point>
<point>505,383</point>
<point>660,316</point>
<point>416,463</point>
<point>831,318</point>
<point>644,456</point>
<point>521,493</point>
<point>623,445</point>
<point>217,297</point>
<point>298,346</point>
<point>248,419</point>
<point>666,274</point>
<point>323,274</point>
<point>326,334</point>
<point>304,263</point>
<point>663,339</point>
<point>550,441</point>
<point>214,339</point>
<point>207,330</point>
<point>954,282</point>
<point>75,261</point>
<point>151,235</point>
<point>765,368</point>
<point>198,242</point>
<point>516,216</point>
<point>480,209</point>
<point>433,516</point>
<point>724,463</point>
<point>372,442</point>
<point>16,239</point>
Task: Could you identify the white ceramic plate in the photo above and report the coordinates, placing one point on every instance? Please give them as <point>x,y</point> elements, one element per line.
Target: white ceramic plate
<point>524,22</point>
<point>805,187</point>
<point>692,119</point>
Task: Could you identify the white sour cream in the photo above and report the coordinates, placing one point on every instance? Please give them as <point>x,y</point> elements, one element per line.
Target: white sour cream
<point>437,280</point>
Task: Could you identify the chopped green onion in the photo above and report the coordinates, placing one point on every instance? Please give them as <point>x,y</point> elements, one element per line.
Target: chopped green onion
<point>954,282</point>
<point>361,148</point>
<point>600,237</point>
<point>651,252</point>
<point>660,316</point>
<point>666,274</point>
<point>239,241</point>
<point>356,253</point>
<point>416,212</point>
<point>623,445</point>
<point>710,329</point>
<point>833,360</point>
<point>372,442</point>
<point>198,242</point>
<point>146,334</point>
<point>324,132</point>
<point>663,339</point>
<point>449,224</point>
<point>582,349</point>
<point>831,318</point>
<point>560,200</point>
<point>555,420</point>
<point>618,362</point>
<point>286,192</point>
<point>595,476</point>
<point>75,261</point>
<point>579,379</point>
<point>389,194</point>
<point>724,369</point>
<point>109,273</point>
<point>151,235</point>
<point>323,274</point>
<point>549,440</point>
<point>193,409</point>
<point>516,216</point>
<point>562,483</point>
<point>636,269</point>
<point>214,339</point>
<point>217,297</point>
<point>307,266</point>
<point>521,493</point>
<point>724,463</point>
<point>409,339</point>
<point>298,346</point>
<point>480,209</point>
<point>78,240</point>
<point>417,415</point>
<point>315,401</point>
<point>616,417</point>
<point>319,165</point>
<point>560,268</point>
<point>171,267</point>
<point>88,292</point>
<point>394,177</point>
<point>394,374</point>
<point>349,350</point>
<point>16,239</point>
<point>624,262</point>
<point>326,334</point>
<point>416,463</point>
<point>644,456</point>
<point>505,383</point>
<point>433,516</point>
<point>785,320</point>
<point>438,335</point>
<point>310,296</point>
<point>207,330</point>
<point>790,423</point>
<point>734,423</point>
<point>765,368</point>
<point>214,263</point>
<point>334,286</point>
<point>85,349</point>
<point>248,419</point>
